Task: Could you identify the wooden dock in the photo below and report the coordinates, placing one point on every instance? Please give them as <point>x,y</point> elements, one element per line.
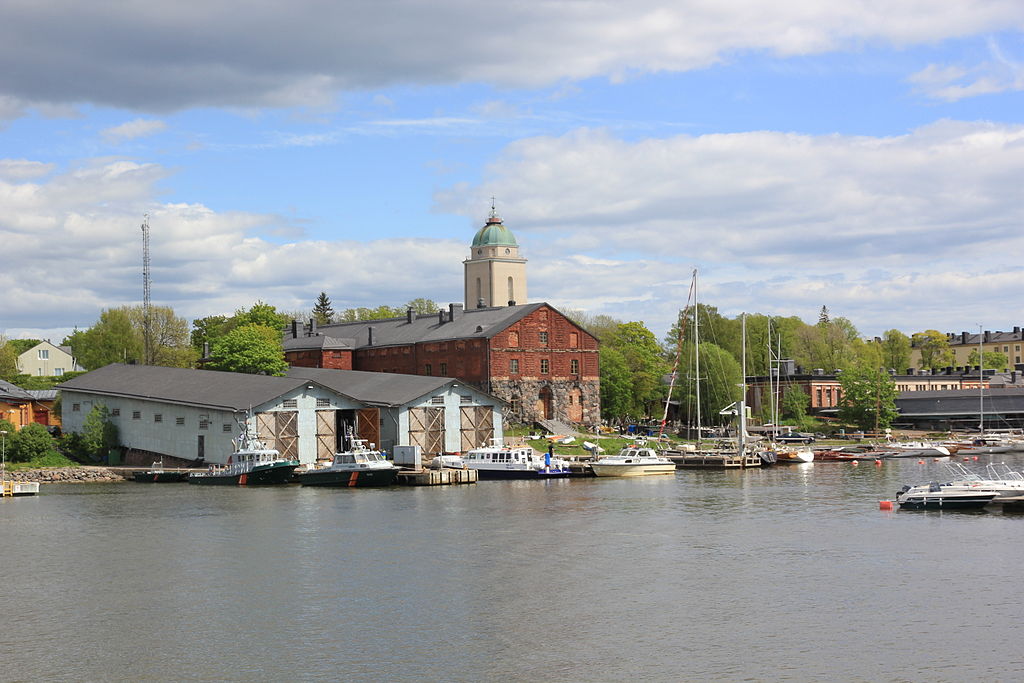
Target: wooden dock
<point>711,461</point>
<point>444,477</point>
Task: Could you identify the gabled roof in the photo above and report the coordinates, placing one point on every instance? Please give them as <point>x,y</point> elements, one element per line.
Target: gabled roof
<point>210,388</point>
<point>377,388</point>
<point>481,323</point>
<point>13,392</point>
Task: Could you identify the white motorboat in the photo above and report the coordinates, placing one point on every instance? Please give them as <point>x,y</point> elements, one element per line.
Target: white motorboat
<point>498,461</point>
<point>916,449</point>
<point>936,496</point>
<point>447,461</point>
<point>633,461</point>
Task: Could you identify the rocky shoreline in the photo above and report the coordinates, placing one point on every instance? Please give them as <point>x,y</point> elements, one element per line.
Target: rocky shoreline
<point>66,475</point>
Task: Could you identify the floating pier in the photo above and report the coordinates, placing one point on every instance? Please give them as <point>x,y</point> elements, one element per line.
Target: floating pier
<point>11,488</point>
<point>712,461</point>
<point>443,477</point>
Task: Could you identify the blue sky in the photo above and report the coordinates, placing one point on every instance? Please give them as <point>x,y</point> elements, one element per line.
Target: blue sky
<point>866,157</point>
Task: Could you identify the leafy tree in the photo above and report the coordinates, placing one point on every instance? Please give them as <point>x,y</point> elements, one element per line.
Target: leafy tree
<point>823,317</point>
<point>869,397</point>
<point>322,310</point>
<point>828,345</point>
<point>616,385</point>
<point>20,346</point>
<point>895,350</point>
<point>208,330</point>
<point>113,339</point>
<point>794,403</point>
<point>382,312</point>
<point>32,442</point>
<point>254,349</point>
<point>720,381</point>
<point>421,306</point>
<point>993,360</point>
<point>169,336</point>
<point>601,326</point>
<point>934,349</point>
<point>8,360</point>
<point>642,355</point>
<point>260,314</point>
<point>98,433</point>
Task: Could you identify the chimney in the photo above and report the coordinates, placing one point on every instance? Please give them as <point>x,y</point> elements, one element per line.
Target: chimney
<point>440,317</point>
<point>1016,331</point>
<point>454,311</point>
<point>511,302</point>
<point>369,335</point>
<point>295,329</point>
<point>480,303</point>
<point>312,327</point>
<point>988,336</point>
<point>410,315</point>
<point>910,371</point>
<point>963,337</point>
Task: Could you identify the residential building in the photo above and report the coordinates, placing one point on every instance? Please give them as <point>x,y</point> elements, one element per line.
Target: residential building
<point>963,344</point>
<point>46,359</point>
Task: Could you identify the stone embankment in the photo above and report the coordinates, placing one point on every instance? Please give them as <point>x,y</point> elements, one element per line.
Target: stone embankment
<point>66,475</point>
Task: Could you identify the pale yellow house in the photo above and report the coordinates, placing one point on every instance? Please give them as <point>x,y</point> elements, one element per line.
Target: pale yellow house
<point>46,359</point>
<point>963,343</point>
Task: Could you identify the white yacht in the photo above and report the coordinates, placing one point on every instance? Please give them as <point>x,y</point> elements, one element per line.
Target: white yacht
<point>498,461</point>
<point>633,461</point>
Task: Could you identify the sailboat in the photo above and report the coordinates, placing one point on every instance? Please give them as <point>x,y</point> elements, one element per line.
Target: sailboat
<point>719,458</point>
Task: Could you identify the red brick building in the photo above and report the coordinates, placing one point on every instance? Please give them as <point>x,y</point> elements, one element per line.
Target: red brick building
<point>530,355</point>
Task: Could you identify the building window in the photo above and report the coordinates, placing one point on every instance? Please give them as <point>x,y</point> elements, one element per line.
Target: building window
<point>290,403</point>
<point>115,412</point>
<point>574,367</point>
<point>437,400</point>
<point>57,372</point>
<point>428,370</point>
<point>136,414</point>
<point>513,365</point>
<point>1016,347</point>
<point>157,417</point>
<point>543,338</point>
<point>75,407</point>
<point>516,404</point>
<point>39,371</point>
<point>323,403</point>
<point>444,369</point>
<point>44,354</point>
<point>204,424</point>
<point>179,421</point>
<point>544,366</point>
<point>227,428</point>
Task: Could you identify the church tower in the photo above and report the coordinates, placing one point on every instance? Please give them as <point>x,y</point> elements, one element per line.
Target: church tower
<point>495,273</point>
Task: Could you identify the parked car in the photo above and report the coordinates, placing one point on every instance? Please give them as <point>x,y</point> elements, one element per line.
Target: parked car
<point>796,437</point>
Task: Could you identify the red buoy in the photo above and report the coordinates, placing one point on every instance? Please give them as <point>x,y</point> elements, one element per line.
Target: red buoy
<point>854,462</point>
<point>878,463</point>
<point>885,505</point>
<point>920,462</point>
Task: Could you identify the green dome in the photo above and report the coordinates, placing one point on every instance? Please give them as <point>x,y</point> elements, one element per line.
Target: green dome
<point>494,234</point>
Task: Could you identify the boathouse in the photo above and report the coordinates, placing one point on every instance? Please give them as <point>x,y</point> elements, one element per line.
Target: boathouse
<point>192,416</point>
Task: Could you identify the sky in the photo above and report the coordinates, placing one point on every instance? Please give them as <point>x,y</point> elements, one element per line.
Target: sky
<point>867,156</point>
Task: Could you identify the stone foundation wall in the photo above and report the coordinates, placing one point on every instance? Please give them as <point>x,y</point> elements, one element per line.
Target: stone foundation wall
<point>526,394</point>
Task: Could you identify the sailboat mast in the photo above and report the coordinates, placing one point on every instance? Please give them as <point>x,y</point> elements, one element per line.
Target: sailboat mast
<point>741,442</point>
<point>981,382</point>
<point>696,352</point>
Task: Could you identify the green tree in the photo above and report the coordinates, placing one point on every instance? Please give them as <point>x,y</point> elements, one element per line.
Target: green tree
<point>896,350</point>
<point>260,314</point>
<point>322,310</point>
<point>382,312</point>
<point>8,360</point>
<point>20,346</point>
<point>869,397</point>
<point>616,385</point>
<point>720,381</point>
<point>253,349</point>
<point>169,336</point>
<point>993,360</point>
<point>208,330</point>
<point>98,434</point>
<point>642,355</point>
<point>31,442</point>
<point>113,339</point>
<point>794,403</point>
<point>828,345</point>
<point>934,349</point>
<point>421,306</point>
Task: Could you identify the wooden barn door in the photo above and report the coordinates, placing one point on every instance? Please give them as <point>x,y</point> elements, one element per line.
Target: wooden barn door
<point>287,429</point>
<point>326,434</point>
<point>368,425</point>
<point>477,428</point>
<point>426,429</point>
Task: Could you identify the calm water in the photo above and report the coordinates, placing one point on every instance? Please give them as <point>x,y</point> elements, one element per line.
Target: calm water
<point>783,574</point>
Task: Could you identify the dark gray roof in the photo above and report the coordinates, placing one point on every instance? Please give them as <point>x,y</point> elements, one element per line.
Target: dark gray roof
<point>43,394</point>
<point>377,388</point>
<point>318,341</point>
<point>11,391</point>
<point>481,323</point>
<point>959,402</point>
<point>222,390</point>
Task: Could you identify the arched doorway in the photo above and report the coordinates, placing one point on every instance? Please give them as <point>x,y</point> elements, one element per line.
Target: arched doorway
<point>544,404</point>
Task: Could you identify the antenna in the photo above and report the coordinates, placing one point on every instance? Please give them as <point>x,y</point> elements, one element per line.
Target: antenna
<point>147,351</point>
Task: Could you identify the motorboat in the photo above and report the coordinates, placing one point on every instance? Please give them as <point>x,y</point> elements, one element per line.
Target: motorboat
<point>252,463</point>
<point>936,496</point>
<point>447,461</point>
<point>980,445</point>
<point>156,474</point>
<point>358,466</point>
<point>498,461</point>
<point>633,461</point>
<point>918,449</point>
<point>1001,481</point>
<point>793,456</point>
<point>851,453</point>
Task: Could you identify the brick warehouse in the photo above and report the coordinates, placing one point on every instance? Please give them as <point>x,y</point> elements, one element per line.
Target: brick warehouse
<point>529,355</point>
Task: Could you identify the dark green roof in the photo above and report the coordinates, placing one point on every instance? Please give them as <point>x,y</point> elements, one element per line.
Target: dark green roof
<point>493,234</point>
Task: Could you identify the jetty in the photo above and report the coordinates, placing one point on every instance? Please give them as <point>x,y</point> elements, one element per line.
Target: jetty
<point>442,477</point>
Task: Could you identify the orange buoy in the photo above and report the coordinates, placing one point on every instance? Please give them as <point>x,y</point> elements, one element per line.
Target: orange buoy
<point>920,462</point>
<point>854,462</point>
<point>885,505</point>
<point>878,463</point>
<point>975,458</point>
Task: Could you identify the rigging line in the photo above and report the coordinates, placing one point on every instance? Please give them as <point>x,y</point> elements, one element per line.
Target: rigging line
<point>679,353</point>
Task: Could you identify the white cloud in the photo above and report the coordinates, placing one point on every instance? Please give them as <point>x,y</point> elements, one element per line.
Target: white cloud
<point>159,56</point>
<point>131,130</point>
<point>951,83</point>
<point>780,223</point>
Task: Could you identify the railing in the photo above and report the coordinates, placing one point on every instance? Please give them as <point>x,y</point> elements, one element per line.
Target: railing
<point>8,488</point>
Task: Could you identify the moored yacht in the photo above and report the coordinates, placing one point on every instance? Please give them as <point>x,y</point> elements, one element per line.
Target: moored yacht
<point>358,466</point>
<point>498,461</point>
<point>633,461</point>
<point>252,463</point>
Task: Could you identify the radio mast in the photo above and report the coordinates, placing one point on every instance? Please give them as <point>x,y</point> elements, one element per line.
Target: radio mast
<point>147,346</point>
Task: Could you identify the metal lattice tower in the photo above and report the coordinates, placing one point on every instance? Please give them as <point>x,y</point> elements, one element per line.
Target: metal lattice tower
<point>146,329</point>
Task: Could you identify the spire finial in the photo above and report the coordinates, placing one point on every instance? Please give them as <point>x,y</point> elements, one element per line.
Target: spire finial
<point>494,211</point>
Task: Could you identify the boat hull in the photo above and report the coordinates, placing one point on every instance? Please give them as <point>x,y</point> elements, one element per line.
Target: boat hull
<point>632,470</point>
<point>945,500</point>
<point>347,478</point>
<point>486,474</point>
<point>159,477</point>
<point>260,476</point>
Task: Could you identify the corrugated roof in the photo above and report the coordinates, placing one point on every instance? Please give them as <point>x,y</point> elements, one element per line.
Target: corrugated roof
<point>225,390</point>
<point>378,388</point>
